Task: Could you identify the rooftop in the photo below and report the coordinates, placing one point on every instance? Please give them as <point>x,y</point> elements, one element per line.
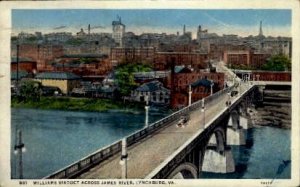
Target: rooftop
<point>57,75</point>
<point>150,86</point>
<point>22,74</point>
<point>21,59</point>
<point>202,82</point>
<point>182,69</point>
<point>88,55</point>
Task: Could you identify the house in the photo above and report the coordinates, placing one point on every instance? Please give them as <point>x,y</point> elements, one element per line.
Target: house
<point>153,91</point>
<point>65,81</point>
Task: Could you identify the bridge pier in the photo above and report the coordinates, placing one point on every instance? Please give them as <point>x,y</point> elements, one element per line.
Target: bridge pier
<point>235,136</point>
<point>244,122</point>
<point>218,162</point>
<point>235,133</point>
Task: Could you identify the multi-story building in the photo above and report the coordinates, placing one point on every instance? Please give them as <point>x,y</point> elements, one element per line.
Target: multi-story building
<point>141,54</point>
<point>245,58</point>
<point>201,83</point>
<point>22,36</point>
<point>237,58</point>
<point>58,37</point>
<point>279,45</point>
<point>164,60</point>
<point>23,64</point>
<point>216,51</point>
<point>118,29</point>
<point>87,66</point>
<point>42,54</point>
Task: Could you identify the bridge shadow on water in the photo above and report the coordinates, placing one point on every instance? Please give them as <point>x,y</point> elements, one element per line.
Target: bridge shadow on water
<point>241,155</point>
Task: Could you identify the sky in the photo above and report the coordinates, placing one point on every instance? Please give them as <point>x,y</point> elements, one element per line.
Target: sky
<point>243,22</point>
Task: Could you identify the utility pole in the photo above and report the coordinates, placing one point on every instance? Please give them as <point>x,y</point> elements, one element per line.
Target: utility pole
<point>18,47</point>
<point>19,149</point>
<point>124,156</point>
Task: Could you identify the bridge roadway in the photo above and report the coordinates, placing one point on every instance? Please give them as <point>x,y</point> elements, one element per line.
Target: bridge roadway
<point>145,156</point>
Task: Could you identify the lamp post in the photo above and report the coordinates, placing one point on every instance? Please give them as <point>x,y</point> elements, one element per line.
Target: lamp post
<point>190,95</point>
<point>249,79</point>
<point>211,87</point>
<point>203,111</point>
<point>19,149</point>
<point>228,101</point>
<point>123,160</point>
<point>147,111</point>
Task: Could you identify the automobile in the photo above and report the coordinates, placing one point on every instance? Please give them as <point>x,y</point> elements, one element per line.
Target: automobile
<point>233,93</point>
<point>183,121</point>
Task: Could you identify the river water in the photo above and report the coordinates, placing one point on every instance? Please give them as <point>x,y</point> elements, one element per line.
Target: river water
<point>54,139</point>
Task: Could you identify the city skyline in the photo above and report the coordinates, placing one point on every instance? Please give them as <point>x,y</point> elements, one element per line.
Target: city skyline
<point>239,22</point>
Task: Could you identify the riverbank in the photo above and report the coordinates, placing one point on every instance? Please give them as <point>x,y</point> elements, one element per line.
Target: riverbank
<point>77,104</point>
<point>274,116</point>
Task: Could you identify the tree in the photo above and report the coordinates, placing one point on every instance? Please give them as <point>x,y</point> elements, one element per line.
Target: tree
<point>125,77</point>
<point>75,41</point>
<point>277,63</point>
<point>30,91</point>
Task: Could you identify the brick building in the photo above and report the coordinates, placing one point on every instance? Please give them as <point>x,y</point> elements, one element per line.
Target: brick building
<point>121,54</point>
<point>25,64</point>
<point>83,65</point>
<point>249,58</point>
<point>200,81</point>
<point>42,54</point>
<point>216,51</point>
<point>265,75</point>
<point>237,57</point>
<point>258,59</point>
<point>195,60</point>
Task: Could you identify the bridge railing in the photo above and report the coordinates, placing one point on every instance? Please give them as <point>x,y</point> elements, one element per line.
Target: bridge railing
<point>87,162</point>
<point>210,98</point>
<point>168,165</point>
<point>100,155</point>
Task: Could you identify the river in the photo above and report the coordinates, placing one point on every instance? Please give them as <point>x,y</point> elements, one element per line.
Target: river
<point>54,139</point>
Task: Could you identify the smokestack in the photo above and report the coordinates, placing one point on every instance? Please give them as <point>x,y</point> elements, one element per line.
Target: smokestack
<point>89,29</point>
<point>260,29</point>
<point>183,29</point>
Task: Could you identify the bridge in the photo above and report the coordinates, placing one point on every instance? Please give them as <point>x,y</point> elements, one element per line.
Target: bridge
<point>166,150</point>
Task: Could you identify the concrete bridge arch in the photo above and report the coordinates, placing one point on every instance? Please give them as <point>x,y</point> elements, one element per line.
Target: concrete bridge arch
<point>218,139</point>
<point>217,156</point>
<point>185,171</point>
